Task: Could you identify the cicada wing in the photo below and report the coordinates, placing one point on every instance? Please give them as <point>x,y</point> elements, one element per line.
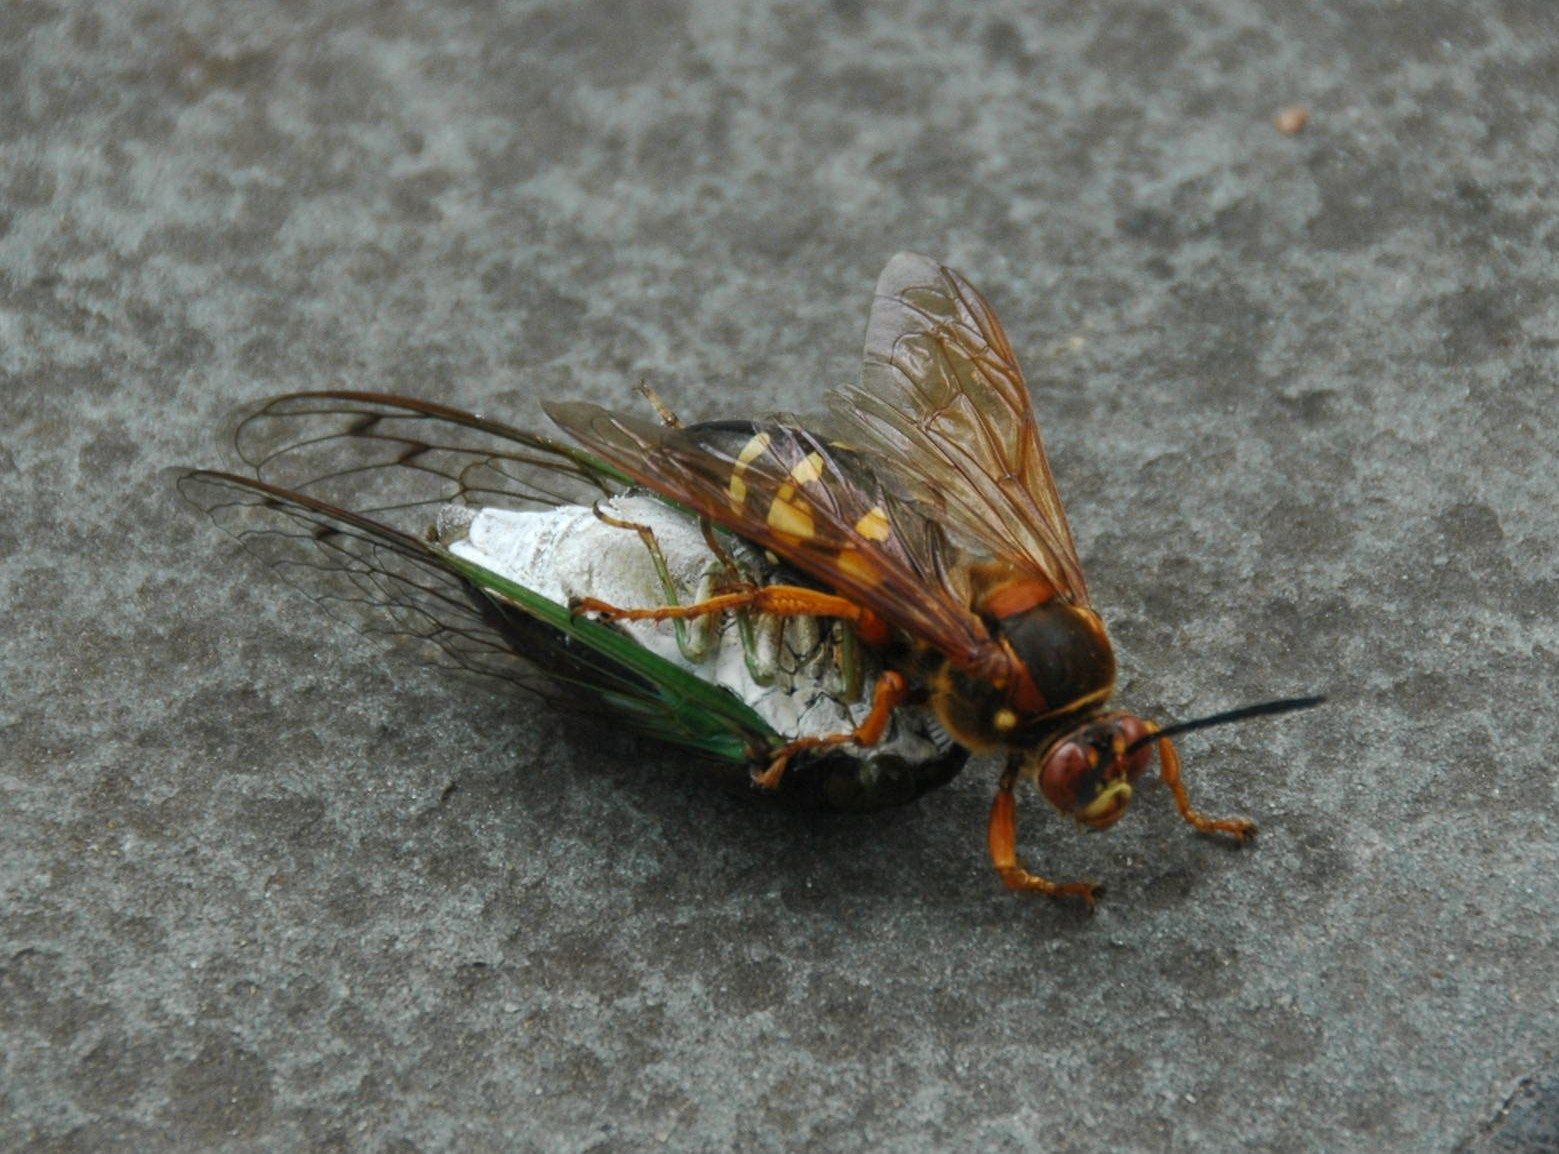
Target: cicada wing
<point>384,582</point>
<point>374,578</point>
<point>942,405</point>
<point>397,459</point>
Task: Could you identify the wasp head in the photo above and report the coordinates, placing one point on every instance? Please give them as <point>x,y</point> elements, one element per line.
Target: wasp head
<point>1089,772</point>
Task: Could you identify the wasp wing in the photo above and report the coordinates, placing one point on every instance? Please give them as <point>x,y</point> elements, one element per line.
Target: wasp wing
<point>942,404</point>
<point>385,582</point>
<point>820,508</point>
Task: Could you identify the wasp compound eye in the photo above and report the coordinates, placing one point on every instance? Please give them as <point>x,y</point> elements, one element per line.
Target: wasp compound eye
<point>1134,750</point>
<point>1064,769</point>
<point>1089,776</point>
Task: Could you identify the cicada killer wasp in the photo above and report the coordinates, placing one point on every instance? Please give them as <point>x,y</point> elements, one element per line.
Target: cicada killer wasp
<point>925,520</point>
<point>928,518</point>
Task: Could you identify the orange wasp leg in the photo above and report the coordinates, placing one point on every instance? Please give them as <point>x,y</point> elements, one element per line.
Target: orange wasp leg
<point>892,691</point>
<point>1240,828</point>
<point>1002,836</point>
<point>779,600</point>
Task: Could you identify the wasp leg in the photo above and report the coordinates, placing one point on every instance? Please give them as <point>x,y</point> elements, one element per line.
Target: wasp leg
<point>1241,829</point>
<point>691,648</point>
<point>1002,836</point>
<point>892,691</point>
<point>662,410</point>
<point>779,600</point>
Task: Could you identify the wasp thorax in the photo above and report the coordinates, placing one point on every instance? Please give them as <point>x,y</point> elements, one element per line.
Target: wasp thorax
<point>1089,773</point>
<point>1066,652</point>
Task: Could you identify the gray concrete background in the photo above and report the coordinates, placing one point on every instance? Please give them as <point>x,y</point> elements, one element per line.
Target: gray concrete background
<point>268,886</point>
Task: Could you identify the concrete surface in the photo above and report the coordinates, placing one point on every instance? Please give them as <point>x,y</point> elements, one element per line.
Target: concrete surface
<point>267,886</point>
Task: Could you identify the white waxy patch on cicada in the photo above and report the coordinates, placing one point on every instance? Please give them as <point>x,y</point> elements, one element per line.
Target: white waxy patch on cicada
<point>569,553</point>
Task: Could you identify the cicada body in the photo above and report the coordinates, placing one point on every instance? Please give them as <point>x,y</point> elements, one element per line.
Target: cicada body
<point>802,677</point>
<point>471,539</point>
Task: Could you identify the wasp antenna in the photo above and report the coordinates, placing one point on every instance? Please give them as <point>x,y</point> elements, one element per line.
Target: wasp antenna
<point>1263,709</point>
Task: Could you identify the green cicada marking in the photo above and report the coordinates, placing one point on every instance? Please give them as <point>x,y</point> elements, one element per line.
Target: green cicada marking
<point>707,717</point>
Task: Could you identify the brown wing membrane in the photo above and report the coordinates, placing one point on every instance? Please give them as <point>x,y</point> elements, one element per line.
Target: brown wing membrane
<point>942,402</point>
<point>820,509</point>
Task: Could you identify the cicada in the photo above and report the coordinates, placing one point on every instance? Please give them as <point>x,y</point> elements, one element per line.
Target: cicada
<point>921,520</point>
<point>469,539</point>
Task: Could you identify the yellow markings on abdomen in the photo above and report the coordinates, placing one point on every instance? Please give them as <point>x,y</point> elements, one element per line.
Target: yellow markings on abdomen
<point>790,514</point>
<point>808,469</point>
<point>791,519</point>
<point>856,564</point>
<point>873,524</point>
<point>737,486</point>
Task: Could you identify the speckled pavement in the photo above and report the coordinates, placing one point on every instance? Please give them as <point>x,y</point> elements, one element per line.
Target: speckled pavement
<point>269,886</point>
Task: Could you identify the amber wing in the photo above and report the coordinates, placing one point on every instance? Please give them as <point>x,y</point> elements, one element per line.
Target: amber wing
<point>823,510</point>
<point>943,405</point>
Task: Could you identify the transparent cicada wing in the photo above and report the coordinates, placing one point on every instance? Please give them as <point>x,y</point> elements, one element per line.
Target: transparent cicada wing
<point>374,578</point>
<point>398,460</point>
<point>388,583</point>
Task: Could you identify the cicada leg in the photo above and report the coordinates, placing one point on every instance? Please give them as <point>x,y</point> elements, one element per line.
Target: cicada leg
<point>1002,836</point>
<point>851,671</point>
<point>1241,829</point>
<point>762,673</point>
<point>692,648</point>
<point>712,542</point>
<point>746,630</point>
<point>892,691</point>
